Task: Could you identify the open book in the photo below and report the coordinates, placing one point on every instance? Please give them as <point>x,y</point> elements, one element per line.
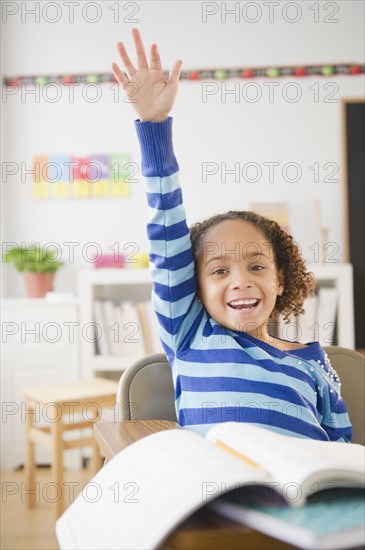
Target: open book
<point>153,485</point>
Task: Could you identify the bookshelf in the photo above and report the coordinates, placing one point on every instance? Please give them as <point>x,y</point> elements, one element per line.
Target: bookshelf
<point>336,327</point>
<point>136,285</point>
<point>107,284</point>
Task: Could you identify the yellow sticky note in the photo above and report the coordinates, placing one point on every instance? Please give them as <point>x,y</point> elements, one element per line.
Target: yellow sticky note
<point>80,189</point>
<point>120,188</point>
<point>40,189</point>
<point>100,188</point>
<point>60,190</point>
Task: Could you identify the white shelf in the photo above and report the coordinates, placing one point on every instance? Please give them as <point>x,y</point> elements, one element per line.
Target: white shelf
<point>330,271</point>
<point>114,363</point>
<point>115,276</point>
<point>132,284</point>
<point>37,302</point>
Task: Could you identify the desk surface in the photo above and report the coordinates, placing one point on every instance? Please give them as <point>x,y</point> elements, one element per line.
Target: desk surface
<point>204,529</point>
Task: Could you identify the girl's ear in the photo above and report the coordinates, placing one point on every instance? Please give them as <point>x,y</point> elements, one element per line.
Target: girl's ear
<point>281,282</point>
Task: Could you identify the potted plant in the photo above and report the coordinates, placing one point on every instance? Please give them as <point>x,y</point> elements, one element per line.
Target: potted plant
<point>38,264</point>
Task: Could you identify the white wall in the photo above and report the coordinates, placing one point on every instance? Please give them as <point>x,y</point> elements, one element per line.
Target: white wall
<point>230,131</point>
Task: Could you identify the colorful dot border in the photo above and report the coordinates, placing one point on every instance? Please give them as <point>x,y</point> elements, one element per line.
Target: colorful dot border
<point>298,71</point>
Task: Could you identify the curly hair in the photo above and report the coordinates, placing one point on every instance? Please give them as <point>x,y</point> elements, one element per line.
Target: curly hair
<point>297,281</point>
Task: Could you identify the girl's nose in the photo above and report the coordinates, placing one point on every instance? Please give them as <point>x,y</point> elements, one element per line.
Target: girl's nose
<point>241,281</point>
<point>239,285</point>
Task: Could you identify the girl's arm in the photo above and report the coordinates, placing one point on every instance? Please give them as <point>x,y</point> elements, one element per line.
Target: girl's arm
<point>335,419</point>
<point>171,260</point>
<point>330,405</point>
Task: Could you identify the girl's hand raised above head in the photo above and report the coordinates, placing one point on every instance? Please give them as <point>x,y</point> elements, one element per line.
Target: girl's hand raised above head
<point>151,96</point>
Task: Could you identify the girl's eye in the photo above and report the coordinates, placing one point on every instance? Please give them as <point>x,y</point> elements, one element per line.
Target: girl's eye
<point>259,266</point>
<point>219,271</point>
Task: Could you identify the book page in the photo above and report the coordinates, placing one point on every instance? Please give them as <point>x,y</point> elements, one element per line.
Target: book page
<point>301,466</point>
<point>329,521</point>
<point>146,490</point>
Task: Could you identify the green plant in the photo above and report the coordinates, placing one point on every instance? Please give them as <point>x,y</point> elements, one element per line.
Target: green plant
<point>33,258</point>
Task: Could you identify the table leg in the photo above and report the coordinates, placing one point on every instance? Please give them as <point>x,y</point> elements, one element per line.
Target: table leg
<point>30,460</point>
<point>96,459</point>
<point>57,463</point>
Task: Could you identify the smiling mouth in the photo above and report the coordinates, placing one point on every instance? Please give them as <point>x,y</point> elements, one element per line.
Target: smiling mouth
<point>248,305</point>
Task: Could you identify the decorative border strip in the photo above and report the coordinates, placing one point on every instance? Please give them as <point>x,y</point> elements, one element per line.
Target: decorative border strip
<point>205,74</point>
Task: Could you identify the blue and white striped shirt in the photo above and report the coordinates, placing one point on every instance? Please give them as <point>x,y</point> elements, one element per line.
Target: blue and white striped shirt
<point>219,374</point>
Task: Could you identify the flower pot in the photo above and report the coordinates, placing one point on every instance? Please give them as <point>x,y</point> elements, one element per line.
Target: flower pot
<point>37,284</point>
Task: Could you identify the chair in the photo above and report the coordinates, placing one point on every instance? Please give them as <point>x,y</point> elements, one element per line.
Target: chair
<point>350,367</point>
<point>146,392</point>
<point>60,405</point>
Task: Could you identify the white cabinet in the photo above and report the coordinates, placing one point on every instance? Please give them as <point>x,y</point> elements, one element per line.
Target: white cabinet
<point>126,284</point>
<point>40,345</point>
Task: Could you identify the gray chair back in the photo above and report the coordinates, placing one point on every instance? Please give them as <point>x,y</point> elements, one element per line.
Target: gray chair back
<point>350,367</point>
<point>146,390</point>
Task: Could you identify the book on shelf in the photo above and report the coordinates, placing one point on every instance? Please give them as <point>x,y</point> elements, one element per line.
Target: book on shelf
<point>306,321</point>
<point>153,327</point>
<point>101,339</point>
<point>318,323</point>
<point>144,326</point>
<point>186,471</point>
<point>327,315</point>
<point>131,340</point>
<point>112,328</point>
<point>119,320</point>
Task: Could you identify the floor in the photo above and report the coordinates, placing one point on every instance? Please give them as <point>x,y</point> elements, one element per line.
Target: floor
<point>25,529</point>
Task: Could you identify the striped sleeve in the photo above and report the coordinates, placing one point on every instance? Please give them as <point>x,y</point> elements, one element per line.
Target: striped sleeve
<point>331,408</point>
<point>171,259</point>
<point>335,421</point>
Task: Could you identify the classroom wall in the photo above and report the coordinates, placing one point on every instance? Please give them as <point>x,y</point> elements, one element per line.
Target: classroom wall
<point>217,128</point>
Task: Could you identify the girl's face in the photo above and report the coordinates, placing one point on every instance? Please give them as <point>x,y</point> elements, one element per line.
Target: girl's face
<point>237,277</point>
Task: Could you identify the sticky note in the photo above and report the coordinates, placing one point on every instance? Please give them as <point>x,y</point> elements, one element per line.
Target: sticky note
<point>98,167</point>
<point>100,188</point>
<point>60,190</point>
<point>40,189</point>
<point>80,168</point>
<point>40,168</point>
<point>80,189</point>
<point>120,189</point>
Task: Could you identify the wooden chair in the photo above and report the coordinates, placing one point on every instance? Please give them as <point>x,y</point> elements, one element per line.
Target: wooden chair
<point>146,392</point>
<point>57,403</point>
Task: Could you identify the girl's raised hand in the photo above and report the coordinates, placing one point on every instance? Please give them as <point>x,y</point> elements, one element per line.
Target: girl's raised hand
<point>151,96</point>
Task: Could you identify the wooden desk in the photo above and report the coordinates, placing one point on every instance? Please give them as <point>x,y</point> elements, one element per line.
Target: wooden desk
<point>204,529</point>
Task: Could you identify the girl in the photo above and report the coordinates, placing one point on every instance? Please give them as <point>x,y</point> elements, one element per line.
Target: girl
<point>215,288</point>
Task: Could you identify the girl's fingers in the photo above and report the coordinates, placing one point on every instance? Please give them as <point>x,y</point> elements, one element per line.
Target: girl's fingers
<point>125,58</point>
<point>121,77</point>
<point>141,54</point>
<point>155,58</point>
<point>175,72</point>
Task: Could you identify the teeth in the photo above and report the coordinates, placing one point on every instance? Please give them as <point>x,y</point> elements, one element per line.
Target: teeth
<point>242,302</point>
